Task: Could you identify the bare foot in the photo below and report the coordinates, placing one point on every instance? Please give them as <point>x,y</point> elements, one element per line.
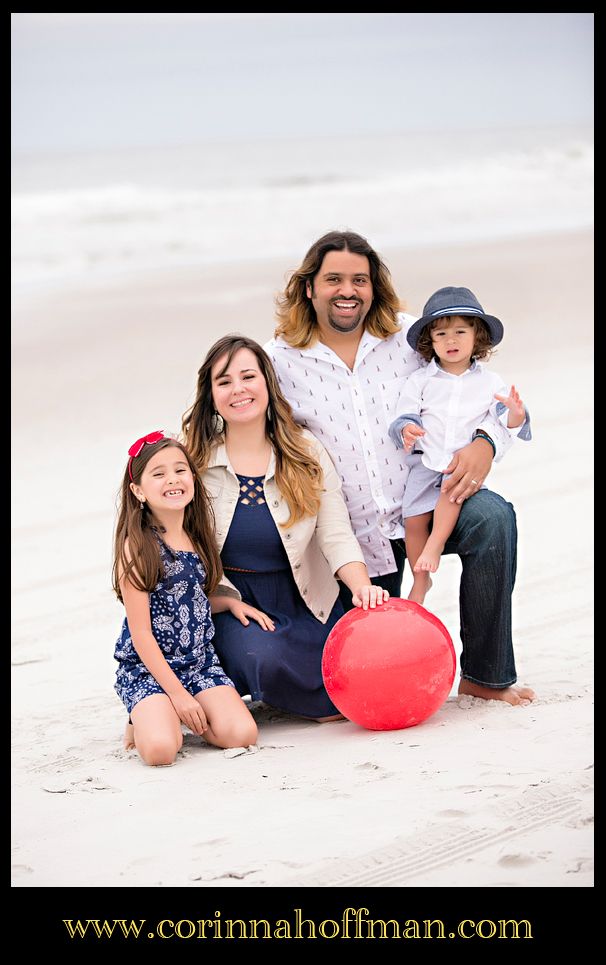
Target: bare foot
<point>427,562</point>
<point>511,695</point>
<point>421,585</point>
<point>129,737</point>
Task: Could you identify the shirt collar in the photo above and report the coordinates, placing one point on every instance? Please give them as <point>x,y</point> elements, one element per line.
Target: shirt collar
<point>434,368</point>
<point>322,352</point>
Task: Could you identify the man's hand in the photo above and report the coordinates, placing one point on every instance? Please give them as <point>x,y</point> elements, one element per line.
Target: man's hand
<point>469,468</point>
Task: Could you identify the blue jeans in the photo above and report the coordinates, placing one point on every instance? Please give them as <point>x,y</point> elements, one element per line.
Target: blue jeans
<point>485,538</point>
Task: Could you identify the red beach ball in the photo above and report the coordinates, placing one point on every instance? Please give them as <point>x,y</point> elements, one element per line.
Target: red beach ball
<point>388,668</point>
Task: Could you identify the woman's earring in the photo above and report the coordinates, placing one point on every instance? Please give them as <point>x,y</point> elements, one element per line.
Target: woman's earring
<point>269,415</point>
<point>142,504</point>
<point>218,423</point>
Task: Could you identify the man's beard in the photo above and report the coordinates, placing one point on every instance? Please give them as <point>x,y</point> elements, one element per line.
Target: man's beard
<point>345,327</point>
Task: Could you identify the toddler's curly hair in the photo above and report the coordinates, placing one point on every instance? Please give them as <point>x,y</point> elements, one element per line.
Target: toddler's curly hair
<point>482,348</point>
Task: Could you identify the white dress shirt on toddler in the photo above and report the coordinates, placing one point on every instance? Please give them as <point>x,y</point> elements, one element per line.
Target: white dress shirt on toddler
<point>450,408</point>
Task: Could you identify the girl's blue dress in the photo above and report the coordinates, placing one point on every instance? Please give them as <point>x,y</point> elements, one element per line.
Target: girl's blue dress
<point>183,628</point>
<point>284,667</point>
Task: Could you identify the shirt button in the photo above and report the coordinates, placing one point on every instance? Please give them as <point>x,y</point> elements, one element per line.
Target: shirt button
<point>321,613</point>
<point>297,566</point>
<point>288,536</point>
<point>275,503</point>
<point>305,592</point>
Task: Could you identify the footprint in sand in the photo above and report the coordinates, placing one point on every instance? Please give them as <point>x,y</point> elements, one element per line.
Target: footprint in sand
<point>379,772</point>
<point>516,860</point>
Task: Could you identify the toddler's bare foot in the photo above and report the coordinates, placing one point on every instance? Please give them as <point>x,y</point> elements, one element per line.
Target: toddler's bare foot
<point>129,737</point>
<point>511,695</point>
<point>421,585</point>
<point>427,562</point>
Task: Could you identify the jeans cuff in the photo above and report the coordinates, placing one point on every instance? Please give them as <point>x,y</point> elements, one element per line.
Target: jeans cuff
<point>483,683</point>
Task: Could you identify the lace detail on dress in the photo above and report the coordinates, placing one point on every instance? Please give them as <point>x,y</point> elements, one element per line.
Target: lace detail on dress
<point>251,490</point>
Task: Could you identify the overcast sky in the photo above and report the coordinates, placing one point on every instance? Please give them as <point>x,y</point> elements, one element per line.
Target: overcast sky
<point>98,81</point>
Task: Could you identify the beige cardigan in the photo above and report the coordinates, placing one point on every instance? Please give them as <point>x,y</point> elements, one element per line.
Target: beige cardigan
<point>316,546</point>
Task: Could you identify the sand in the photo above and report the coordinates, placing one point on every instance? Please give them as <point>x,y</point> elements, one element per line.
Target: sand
<point>480,795</point>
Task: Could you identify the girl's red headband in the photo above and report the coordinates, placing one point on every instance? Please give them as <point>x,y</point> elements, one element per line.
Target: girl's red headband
<point>137,446</point>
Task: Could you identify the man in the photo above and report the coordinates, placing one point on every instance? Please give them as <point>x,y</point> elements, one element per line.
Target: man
<point>341,356</point>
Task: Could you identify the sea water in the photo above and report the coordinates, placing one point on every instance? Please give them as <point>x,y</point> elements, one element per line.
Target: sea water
<point>79,217</point>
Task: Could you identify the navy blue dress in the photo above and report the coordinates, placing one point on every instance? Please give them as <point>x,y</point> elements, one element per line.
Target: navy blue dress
<point>183,628</point>
<point>284,667</point>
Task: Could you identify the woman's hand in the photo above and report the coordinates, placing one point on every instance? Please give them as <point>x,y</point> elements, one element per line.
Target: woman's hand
<point>242,611</point>
<point>369,596</point>
<point>189,711</point>
<point>410,433</point>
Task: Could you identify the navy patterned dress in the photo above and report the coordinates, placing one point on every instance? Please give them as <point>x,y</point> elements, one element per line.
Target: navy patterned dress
<point>284,667</point>
<point>183,628</point>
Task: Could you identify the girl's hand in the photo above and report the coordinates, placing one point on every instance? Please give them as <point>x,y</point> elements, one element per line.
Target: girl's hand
<point>410,433</point>
<point>242,611</point>
<point>369,596</point>
<point>517,412</point>
<point>189,712</point>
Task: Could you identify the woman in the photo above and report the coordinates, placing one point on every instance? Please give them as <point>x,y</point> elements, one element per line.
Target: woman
<point>282,529</point>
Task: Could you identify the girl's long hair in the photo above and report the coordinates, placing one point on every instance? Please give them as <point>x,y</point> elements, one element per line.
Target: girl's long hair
<point>297,322</point>
<point>298,473</point>
<point>143,565</point>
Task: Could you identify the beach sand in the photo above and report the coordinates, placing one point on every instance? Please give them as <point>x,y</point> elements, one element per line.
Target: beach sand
<point>481,794</point>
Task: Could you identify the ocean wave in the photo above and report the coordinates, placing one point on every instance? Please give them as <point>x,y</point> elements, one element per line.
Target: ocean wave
<point>126,226</point>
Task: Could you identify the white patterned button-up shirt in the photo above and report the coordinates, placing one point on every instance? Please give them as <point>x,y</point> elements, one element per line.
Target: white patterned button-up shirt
<point>350,413</point>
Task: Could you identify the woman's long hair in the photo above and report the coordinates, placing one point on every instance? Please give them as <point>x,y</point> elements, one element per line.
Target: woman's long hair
<point>298,473</point>
<point>297,322</point>
<point>135,523</point>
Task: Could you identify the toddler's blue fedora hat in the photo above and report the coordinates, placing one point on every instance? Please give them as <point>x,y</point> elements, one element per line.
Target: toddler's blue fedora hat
<point>453,301</point>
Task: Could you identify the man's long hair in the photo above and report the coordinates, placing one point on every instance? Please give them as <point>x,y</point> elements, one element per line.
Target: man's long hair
<point>297,322</point>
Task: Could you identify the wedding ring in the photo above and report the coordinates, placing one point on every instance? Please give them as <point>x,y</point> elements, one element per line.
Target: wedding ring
<point>475,482</point>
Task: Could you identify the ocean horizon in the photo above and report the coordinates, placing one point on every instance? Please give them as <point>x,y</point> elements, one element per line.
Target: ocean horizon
<point>152,141</point>
<point>83,216</point>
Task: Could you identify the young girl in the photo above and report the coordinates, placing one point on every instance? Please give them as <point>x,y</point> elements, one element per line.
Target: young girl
<point>282,528</point>
<point>445,404</point>
<point>166,567</point>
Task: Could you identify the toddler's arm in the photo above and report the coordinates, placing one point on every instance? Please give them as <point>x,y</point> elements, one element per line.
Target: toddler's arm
<point>517,412</point>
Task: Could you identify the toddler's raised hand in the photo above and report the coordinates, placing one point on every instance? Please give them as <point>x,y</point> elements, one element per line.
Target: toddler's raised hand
<point>517,412</point>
